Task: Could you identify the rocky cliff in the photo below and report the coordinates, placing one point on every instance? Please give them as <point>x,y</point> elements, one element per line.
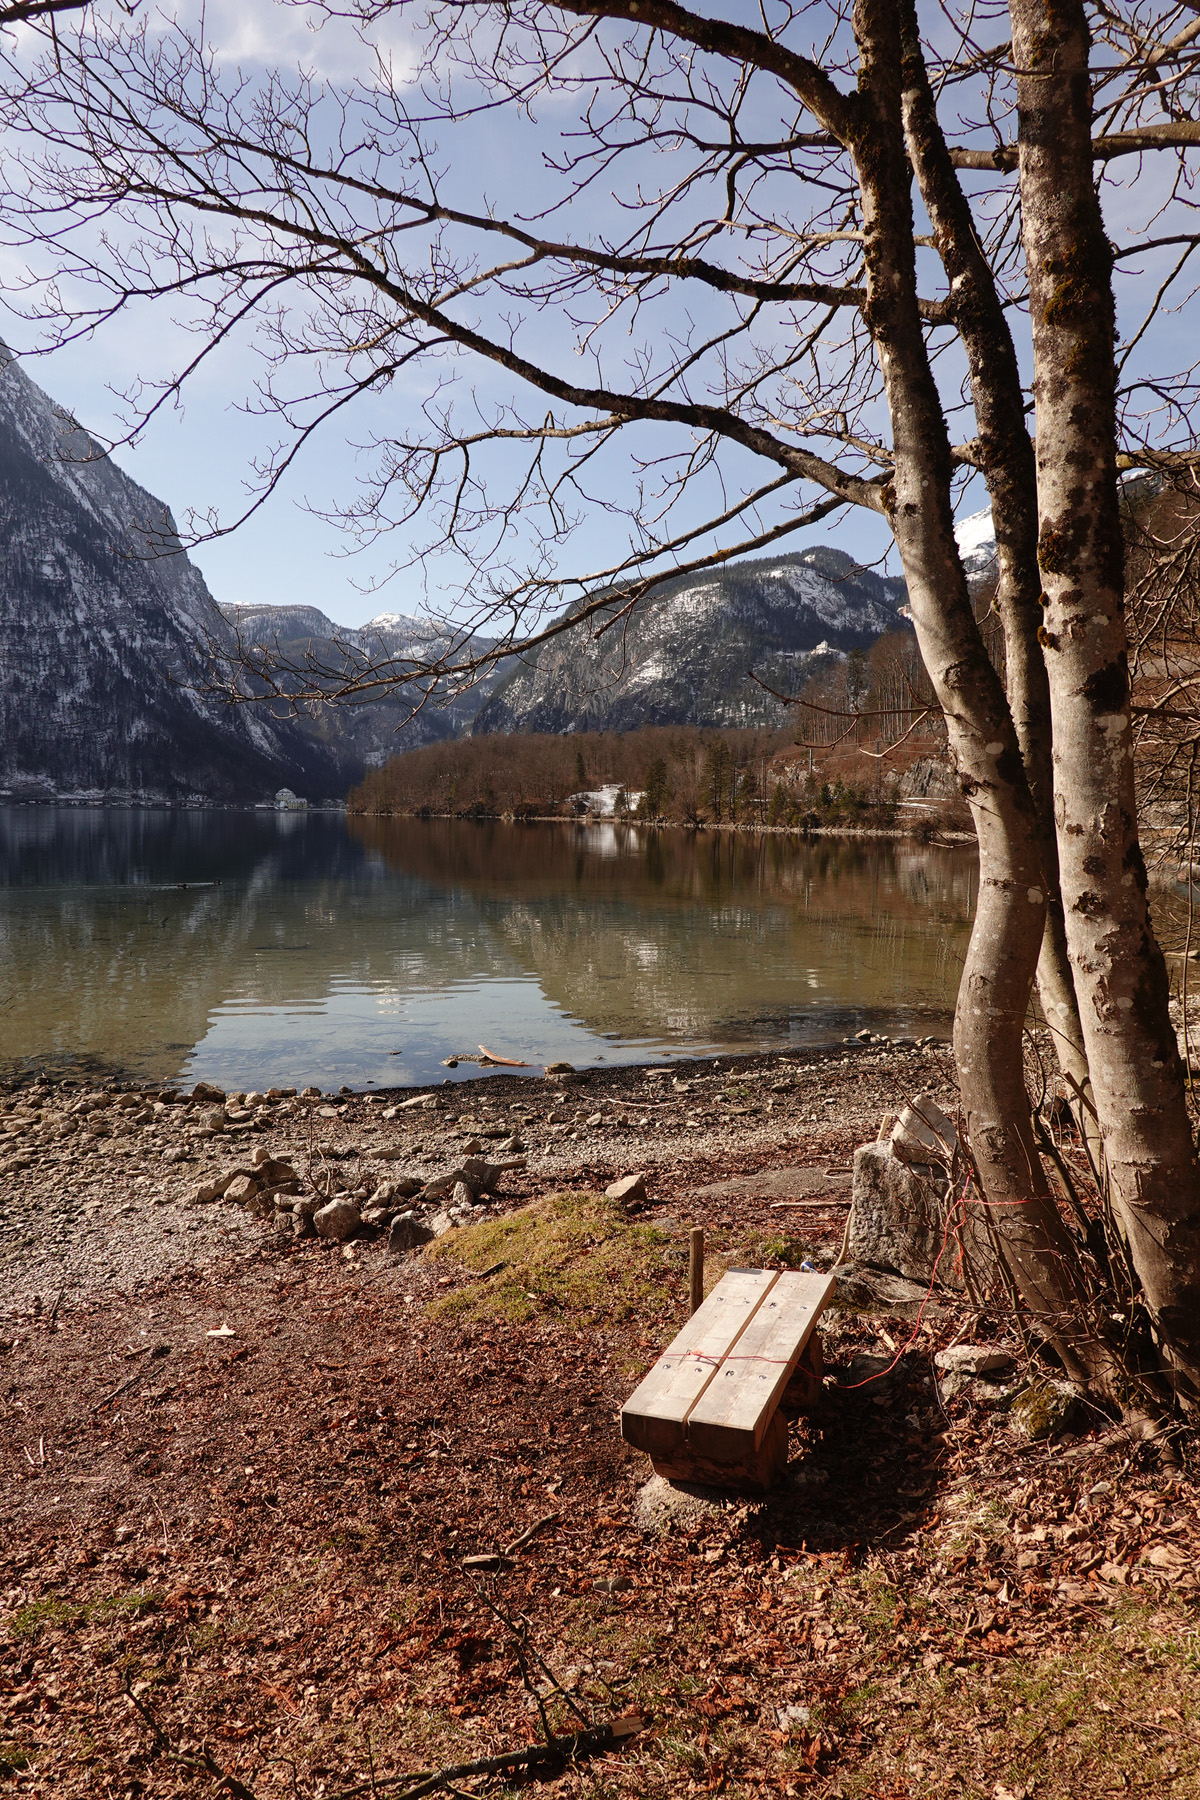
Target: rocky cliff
<point>686,654</point>
<point>104,629</point>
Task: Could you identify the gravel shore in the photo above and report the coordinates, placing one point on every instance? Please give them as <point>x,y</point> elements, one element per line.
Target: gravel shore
<point>102,1188</point>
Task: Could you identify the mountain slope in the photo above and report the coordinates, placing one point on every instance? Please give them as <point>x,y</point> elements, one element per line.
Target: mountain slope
<point>372,729</point>
<point>685,655</point>
<point>102,645</point>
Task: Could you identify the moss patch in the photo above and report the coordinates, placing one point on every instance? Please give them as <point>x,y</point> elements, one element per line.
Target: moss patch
<point>575,1252</point>
<point>1114,1714</point>
<point>52,1611</point>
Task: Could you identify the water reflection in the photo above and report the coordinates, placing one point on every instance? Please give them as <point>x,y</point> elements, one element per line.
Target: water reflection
<point>253,947</point>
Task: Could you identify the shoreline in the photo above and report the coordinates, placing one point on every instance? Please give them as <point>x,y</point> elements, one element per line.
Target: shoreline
<point>101,1180</point>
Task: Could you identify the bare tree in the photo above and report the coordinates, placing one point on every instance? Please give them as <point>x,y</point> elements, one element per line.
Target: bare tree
<point>713,279</point>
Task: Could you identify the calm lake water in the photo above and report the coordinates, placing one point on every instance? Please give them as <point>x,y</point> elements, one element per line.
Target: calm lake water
<point>251,948</point>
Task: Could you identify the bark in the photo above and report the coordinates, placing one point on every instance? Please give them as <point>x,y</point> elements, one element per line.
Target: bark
<point>1120,977</point>
<point>1007,934</point>
<point>1009,468</point>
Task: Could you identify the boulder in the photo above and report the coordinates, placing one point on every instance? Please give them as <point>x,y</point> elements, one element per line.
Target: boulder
<point>560,1068</point>
<point>898,1223</point>
<point>630,1190</point>
<point>462,1195</point>
<point>1045,1409</point>
<point>338,1221</point>
<point>408,1232</point>
<point>440,1224</point>
<point>924,1133</point>
<point>204,1090</point>
<point>241,1189</point>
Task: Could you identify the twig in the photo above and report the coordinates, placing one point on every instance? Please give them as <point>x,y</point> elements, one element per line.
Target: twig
<point>537,1757</point>
<point>518,1543</point>
<point>123,1389</point>
<point>206,1762</point>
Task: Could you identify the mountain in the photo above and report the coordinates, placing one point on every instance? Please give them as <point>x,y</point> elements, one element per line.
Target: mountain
<point>976,537</point>
<point>105,635</point>
<point>367,731</point>
<point>685,655</point>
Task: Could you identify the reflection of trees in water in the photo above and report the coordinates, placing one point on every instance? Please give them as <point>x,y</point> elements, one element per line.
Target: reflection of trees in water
<point>535,861</point>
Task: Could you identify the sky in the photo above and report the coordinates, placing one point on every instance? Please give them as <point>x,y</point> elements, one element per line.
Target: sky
<point>197,457</point>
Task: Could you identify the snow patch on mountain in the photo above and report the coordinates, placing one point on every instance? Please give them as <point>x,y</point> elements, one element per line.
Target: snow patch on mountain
<point>976,537</point>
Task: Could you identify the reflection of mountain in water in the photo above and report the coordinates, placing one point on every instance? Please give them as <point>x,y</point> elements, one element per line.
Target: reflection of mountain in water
<point>128,937</point>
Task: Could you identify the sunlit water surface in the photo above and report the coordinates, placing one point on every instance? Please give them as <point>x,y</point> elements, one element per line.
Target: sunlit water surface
<point>254,948</point>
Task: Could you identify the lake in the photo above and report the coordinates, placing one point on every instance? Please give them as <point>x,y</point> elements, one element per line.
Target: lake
<point>254,949</point>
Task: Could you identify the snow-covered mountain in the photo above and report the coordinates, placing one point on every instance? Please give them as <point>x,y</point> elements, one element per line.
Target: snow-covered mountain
<point>369,730</point>
<point>976,536</point>
<point>686,654</point>
<point>105,628</point>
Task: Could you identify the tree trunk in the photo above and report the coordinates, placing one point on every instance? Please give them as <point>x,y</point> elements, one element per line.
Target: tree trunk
<point>1007,459</point>
<point>1120,976</point>
<point>1007,935</point>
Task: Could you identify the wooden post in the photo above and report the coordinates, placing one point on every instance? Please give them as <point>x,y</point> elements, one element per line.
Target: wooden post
<point>696,1269</point>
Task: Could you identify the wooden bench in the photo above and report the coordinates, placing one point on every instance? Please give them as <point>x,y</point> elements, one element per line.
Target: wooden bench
<point>710,1408</point>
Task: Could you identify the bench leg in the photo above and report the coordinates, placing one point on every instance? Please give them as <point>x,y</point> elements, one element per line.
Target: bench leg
<point>754,1475</point>
<point>805,1387</point>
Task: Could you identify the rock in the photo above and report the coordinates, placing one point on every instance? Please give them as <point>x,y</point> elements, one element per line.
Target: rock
<point>177,1155</point>
<point>302,1221</point>
<point>376,1217</point>
<point>560,1068</point>
<point>408,1232</point>
<point>975,1359</point>
<point>241,1189</point>
<point>215,1120</point>
<point>1045,1409</point>
<point>924,1133</point>
<point>207,1192</point>
<point>462,1195</point>
<point>204,1090</point>
<point>897,1223</point>
<point>677,1507</point>
<point>510,1147</point>
<point>440,1224</point>
<point>873,1290</point>
<point>402,1188</point>
<point>630,1190</point>
<point>337,1222</point>
<point>274,1171</point>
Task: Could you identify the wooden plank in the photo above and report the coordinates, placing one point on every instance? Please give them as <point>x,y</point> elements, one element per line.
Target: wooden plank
<point>654,1418</point>
<point>729,1419</point>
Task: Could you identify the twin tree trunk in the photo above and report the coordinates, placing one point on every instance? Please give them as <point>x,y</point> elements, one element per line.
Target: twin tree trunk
<point>1006,939</point>
<point>1119,974</point>
<point>1007,460</point>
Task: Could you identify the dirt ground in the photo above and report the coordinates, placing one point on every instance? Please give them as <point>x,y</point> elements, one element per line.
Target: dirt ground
<point>282,1518</point>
